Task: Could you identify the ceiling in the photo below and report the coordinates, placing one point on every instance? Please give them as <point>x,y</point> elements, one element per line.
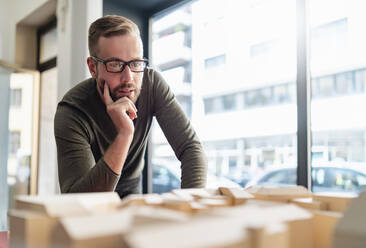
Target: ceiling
<point>145,5</point>
<point>41,16</point>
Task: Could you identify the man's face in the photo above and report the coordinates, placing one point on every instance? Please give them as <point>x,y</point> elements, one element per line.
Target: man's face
<point>126,83</point>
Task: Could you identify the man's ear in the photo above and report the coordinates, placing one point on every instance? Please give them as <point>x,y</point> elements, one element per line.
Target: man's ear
<point>92,67</point>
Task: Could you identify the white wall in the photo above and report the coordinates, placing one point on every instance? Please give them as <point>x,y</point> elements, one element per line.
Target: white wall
<point>47,160</point>
<point>5,32</point>
<point>74,18</point>
<point>12,12</point>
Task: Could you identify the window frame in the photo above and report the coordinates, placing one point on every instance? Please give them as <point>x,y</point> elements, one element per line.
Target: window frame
<point>303,95</point>
<point>52,62</point>
<point>303,92</point>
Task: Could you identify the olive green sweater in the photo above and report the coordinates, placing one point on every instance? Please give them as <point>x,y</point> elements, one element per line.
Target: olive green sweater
<point>84,131</point>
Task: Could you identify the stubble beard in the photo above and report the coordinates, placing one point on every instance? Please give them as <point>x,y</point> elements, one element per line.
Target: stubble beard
<point>133,98</point>
<point>114,94</point>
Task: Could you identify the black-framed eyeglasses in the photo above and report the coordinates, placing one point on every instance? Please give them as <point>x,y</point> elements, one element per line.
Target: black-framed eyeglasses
<point>116,65</point>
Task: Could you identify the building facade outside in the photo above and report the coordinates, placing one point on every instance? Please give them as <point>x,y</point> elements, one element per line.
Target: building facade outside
<point>20,133</point>
<point>233,70</point>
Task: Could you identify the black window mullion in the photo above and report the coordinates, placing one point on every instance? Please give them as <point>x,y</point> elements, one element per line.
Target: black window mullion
<point>303,96</point>
<point>147,171</point>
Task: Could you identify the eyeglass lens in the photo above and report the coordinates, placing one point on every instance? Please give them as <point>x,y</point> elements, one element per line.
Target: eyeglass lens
<point>118,66</point>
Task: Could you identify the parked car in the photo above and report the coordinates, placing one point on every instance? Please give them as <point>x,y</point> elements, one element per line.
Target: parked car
<point>166,177</point>
<point>242,178</point>
<point>326,177</point>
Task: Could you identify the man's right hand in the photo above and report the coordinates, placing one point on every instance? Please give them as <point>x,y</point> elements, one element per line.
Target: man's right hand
<point>122,112</point>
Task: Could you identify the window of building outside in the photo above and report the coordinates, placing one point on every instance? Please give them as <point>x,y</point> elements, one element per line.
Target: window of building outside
<point>16,98</point>
<point>241,92</point>
<point>215,61</point>
<point>338,66</point>
<point>14,142</point>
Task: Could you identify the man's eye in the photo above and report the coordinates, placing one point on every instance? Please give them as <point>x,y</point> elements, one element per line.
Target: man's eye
<point>114,64</point>
<point>136,64</point>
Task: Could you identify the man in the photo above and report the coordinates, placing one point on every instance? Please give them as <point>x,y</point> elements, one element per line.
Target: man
<point>102,124</point>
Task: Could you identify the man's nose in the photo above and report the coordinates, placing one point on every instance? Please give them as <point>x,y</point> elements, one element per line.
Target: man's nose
<point>126,74</point>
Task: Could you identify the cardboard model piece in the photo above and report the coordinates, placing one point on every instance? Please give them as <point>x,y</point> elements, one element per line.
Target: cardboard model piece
<point>350,231</point>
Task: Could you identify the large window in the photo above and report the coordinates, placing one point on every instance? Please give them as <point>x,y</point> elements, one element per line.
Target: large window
<point>22,120</point>
<point>338,69</point>
<point>243,87</point>
<point>241,94</point>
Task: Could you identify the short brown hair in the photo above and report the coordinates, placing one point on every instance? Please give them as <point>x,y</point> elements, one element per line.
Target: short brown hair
<point>107,26</point>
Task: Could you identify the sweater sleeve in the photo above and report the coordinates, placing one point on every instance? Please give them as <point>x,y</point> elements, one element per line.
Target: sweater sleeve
<point>180,135</point>
<point>77,168</point>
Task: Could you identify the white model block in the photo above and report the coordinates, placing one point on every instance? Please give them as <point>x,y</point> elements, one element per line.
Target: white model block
<point>191,194</point>
<point>141,199</point>
<point>34,217</point>
<point>30,229</point>
<point>323,227</point>
<point>237,195</point>
<point>215,203</point>
<point>146,215</point>
<point>283,194</point>
<point>197,233</point>
<point>335,201</point>
<point>102,230</point>
<point>309,203</point>
<point>350,231</point>
<point>271,235</point>
<point>69,204</point>
<point>184,206</point>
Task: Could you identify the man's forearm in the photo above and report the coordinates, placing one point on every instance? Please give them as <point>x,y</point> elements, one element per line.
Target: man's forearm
<point>194,167</point>
<point>116,154</point>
